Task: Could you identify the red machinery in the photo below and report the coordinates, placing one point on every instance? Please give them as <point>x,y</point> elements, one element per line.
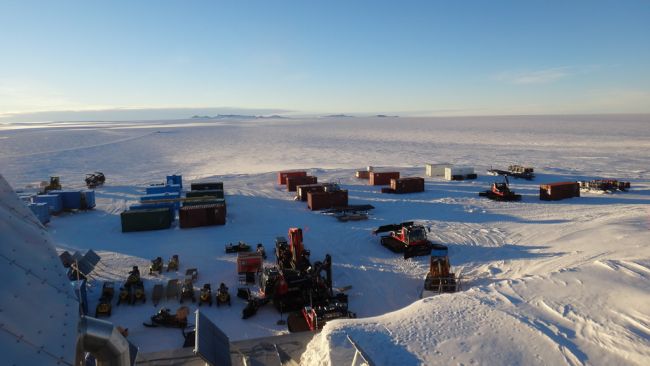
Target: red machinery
<point>501,192</point>
<point>406,238</point>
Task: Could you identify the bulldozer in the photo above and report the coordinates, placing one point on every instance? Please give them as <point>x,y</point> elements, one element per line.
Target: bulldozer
<point>440,279</point>
<point>407,238</point>
<point>54,185</point>
<point>501,192</point>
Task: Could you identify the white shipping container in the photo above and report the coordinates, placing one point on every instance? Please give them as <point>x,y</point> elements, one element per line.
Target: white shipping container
<point>437,170</point>
<point>458,170</point>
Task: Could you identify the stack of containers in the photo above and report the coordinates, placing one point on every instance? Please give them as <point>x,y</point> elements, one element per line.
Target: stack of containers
<point>157,208</point>
<point>210,196</point>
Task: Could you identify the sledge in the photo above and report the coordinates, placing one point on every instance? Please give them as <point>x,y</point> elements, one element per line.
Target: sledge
<point>172,289</point>
<point>164,318</point>
<point>157,294</point>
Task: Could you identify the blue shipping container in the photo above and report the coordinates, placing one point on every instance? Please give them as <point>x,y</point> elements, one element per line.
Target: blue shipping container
<point>71,199</point>
<point>41,211</point>
<point>175,179</point>
<point>87,199</point>
<point>168,188</point>
<point>54,202</point>
<point>162,196</point>
<point>147,206</point>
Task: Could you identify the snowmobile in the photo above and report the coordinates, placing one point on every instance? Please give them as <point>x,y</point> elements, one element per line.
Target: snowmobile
<point>164,318</point>
<point>124,295</point>
<point>205,295</point>
<point>239,247</point>
<point>187,291</point>
<point>104,306</point>
<point>156,266</point>
<point>223,297</point>
<point>406,238</point>
<point>173,263</point>
<point>501,192</point>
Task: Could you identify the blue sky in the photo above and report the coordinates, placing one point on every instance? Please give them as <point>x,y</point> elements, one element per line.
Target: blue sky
<point>406,57</point>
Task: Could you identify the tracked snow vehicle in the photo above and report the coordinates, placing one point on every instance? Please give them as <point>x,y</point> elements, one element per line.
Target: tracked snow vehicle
<point>407,238</point>
<point>501,192</point>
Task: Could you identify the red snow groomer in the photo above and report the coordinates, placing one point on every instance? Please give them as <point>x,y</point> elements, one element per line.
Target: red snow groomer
<point>406,238</point>
<point>501,192</point>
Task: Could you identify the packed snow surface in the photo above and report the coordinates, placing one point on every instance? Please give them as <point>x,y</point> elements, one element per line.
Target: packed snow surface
<point>564,282</point>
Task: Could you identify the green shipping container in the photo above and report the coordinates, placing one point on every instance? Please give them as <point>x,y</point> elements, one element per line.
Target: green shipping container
<point>212,193</point>
<point>143,220</point>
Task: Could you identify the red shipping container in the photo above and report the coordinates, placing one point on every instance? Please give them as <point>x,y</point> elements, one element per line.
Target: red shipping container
<point>325,200</point>
<point>362,174</point>
<point>202,215</point>
<point>293,182</point>
<point>558,191</point>
<point>383,178</point>
<point>304,189</point>
<point>282,176</point>
<point>407,185</point>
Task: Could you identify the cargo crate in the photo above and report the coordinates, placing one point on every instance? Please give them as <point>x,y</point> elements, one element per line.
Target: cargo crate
<point>282,176</point>
<point>87,199</point>
<point>71,200</point>
<point>148,206</point>
<point>175,179</point>
<point>144,220</point>
<point>407,185</point>
<point>201,215</point>
<point>218,193</point>
<point>302,190</point>
<point>293,182</point>
<point>559,191</point>
<point>206,186</point>
<point>160,188</point>
<point>325,200</point>
<point>41,211</point>
<point>362,174</point>
<point>382,178</point>
<point>54,202</point>
<point>436,170</point>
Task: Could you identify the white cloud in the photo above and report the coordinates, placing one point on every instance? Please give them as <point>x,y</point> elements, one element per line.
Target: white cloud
<point>543,76</point>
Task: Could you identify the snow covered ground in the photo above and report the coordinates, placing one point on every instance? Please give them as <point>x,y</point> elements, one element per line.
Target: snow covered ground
<point>562,282</point>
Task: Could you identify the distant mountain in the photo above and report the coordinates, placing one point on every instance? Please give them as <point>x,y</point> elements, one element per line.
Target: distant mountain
<point>239,116</point>
<point>383,116</point>
<point>338,116</point>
